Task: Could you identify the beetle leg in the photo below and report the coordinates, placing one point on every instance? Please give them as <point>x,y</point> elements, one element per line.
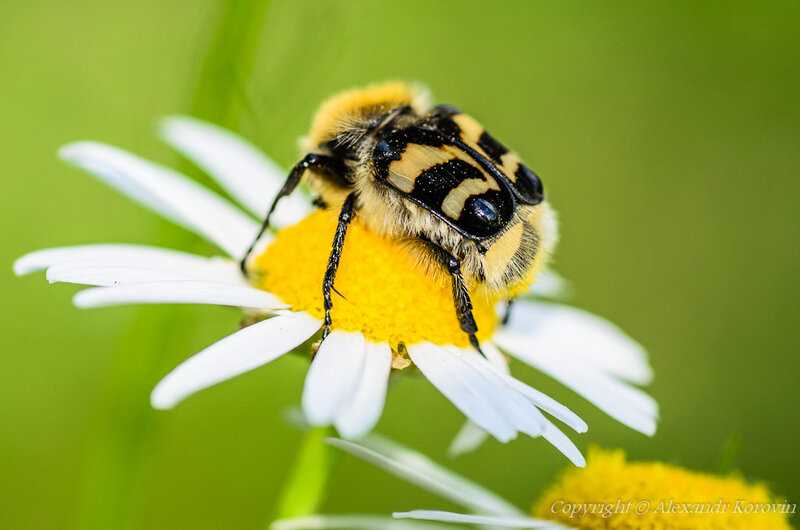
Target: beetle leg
<point>325,163</point>
<point>461,298</point>
<point>345,216</point>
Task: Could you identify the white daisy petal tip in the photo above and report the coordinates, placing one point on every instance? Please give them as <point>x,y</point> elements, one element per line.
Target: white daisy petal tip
<point>242,169</point>
<point>178,292</point>
<point>649,428</point>
<point>84,299</point>
<point>361,413</point>
<point>39,260</point>
<point>125,255</point>
<point>162,399</point>
<point>172,124</point>
<point>468,439</point>
<point>563,444</point>
<point>333,377</point>
<point>243,351</point>
<point>467,388</point>
<point>582,336</point>
<point>352,522</point>
<point>482,520</point>
<point>82,153</point>
<point>26,264</point>
<point>606,388</point>
<point>71,151</point>
<point>167,192</point>
<point>423,472</point>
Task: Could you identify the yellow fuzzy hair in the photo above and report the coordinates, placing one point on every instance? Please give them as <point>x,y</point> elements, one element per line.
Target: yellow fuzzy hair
<point>348,108</point>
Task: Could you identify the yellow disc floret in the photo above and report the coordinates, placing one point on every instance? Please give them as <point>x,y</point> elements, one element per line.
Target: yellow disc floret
<point>613,494</point>
<point>385,292</point>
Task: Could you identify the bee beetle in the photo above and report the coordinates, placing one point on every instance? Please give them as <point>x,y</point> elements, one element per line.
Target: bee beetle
<point>426,174</point>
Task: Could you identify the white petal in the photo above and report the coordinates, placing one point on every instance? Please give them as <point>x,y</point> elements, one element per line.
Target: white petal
<point>488,520</point>
<point>495,357</point>
<point>361,413</point>
<point>423,472</point>
<point>550,284</point>
<point>583,380</point>
<point>178,292</point>
<point>239,167</point>
<point>511,404</point>
<point>624,403</point>
<point>560,441</point>
<point>220,272</point>
<point>540,399</point>
<point>243,351</point>
<point>468,439</point>
<point>110,255</point>
<point>576,334</point>
<point>168,193</point>
<point>352,522</point>
<point>333,376</point>
<point>550,405</point>
<point>462,386</point>
<point>471,436</point>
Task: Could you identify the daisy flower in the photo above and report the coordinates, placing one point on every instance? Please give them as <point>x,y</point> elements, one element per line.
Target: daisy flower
<point>391,314</point>
<point>610,493</point>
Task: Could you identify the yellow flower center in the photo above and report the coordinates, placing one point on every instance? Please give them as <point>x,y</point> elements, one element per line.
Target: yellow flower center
<point>612,494</point>
<point>386,292</point>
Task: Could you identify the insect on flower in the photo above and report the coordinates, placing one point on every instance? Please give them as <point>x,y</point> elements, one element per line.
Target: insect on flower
<point>430,176</point>
<point>426,226</point>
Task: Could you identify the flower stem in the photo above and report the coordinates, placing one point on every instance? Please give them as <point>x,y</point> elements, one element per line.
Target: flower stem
<point>304,490</point>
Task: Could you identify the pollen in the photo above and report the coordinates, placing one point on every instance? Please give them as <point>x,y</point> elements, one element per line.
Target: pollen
<point>382,288</point>
<point>611,494</point>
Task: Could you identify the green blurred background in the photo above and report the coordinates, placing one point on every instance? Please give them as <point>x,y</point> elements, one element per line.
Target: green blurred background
<point>667,136</point>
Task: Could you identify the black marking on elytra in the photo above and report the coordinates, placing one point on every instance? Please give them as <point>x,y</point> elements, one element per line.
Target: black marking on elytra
<point>529,185</point>
<point>480,219</point>
<point>441,119</point>
<point>432,185</point>
<point>445,110</point>
<point>494,149</point>
<point>392,142</point>
<point>418,134</point>
<point>487,165</point>
<point>527,194</point>
<point>482,216</point>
